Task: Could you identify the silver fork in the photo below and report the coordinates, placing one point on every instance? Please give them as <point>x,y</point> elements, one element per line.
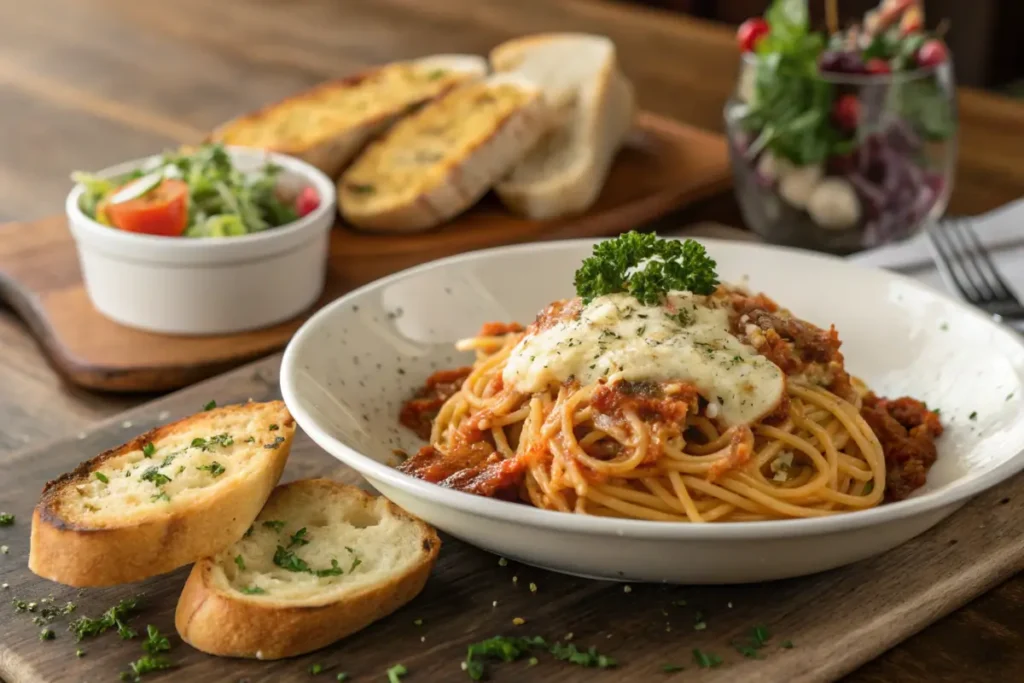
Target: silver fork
<point>965,264</point>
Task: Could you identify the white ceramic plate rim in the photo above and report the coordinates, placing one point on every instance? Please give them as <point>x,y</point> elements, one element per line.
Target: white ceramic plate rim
<point>176,245</point>
<point>561,521</point>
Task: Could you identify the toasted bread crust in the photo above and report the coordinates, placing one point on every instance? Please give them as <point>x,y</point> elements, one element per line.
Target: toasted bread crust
<point>75,553</point>
<point>463,180</point>
<point>217,622</point>
<point>332,153</point>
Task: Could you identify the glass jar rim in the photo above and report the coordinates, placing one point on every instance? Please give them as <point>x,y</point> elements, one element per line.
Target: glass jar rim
<point>920,73</point>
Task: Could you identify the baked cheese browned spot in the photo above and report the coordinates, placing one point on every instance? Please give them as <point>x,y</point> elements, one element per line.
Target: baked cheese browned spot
<point>416,155</point>
<point>317,115</point>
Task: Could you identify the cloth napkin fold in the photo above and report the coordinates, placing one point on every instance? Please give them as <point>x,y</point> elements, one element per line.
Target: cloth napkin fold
<point>1001,231</point>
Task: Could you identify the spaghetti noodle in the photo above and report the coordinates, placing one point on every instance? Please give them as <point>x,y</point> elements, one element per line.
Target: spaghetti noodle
<point>584,412</point>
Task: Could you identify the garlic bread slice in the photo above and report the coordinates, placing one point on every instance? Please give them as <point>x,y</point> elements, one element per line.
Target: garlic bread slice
<point>163,500</point>
<point>327,125</point>
<point>439,161</point>
<point>322,561</point>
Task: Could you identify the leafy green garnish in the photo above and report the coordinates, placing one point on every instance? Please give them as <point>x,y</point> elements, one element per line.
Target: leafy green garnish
<point>214,468</point>
<point>298,538</point>
<point>706,660</point>
<point>102,477</point>
<point>253,590</point>
<point>791,104</point>
<point>6,519</point>
<point>148,450</point>
<point>671,668</point>
<point>240,561</point>
<point>335,570</point>
<point>223,440</point>
<point>274,524</point>
<point>396,672</point>
<point>506,649</point>
<point>589,658</point>
<point>759,635</point>
<point>155,643</point>
<point>115,617</point>
<point>154,475</point>
<point>316,669</point>
<point>210,405</point>
<point>646,267</point>
<point>286,559</point>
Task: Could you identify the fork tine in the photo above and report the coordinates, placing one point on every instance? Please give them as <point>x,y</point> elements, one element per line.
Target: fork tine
<point>947,260</point>
<point>999,286</point>
<point>967,257</point>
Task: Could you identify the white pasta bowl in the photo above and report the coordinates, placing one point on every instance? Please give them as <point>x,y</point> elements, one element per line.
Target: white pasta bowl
<point>208,285</point>
<point>347,371</point>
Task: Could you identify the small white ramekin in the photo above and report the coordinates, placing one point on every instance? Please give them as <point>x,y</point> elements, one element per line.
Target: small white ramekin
<point>204,286</point>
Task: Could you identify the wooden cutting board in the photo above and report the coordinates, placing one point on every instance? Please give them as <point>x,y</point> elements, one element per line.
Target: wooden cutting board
<point>835,621</point>
<point>663,166</point>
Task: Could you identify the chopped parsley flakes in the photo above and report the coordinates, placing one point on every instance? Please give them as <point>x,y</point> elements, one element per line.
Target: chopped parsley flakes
<point>706,660</point>
<point>148,449</point>
<point>274,524</point>
<point>115,617</point>
<point>154,475</point>
<point>210,406</point>
<point>214,468</point>
<point>6,519</point>
<point>102,477</point>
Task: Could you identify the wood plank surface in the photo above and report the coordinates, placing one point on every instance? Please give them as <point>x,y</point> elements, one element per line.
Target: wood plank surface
<point>835,620</point>
<point>86,84</point>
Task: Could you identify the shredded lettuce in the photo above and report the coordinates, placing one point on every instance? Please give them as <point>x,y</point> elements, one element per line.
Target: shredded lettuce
<point>223,201</point>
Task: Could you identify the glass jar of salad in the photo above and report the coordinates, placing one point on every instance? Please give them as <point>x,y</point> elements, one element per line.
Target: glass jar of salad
<point>842,140</point>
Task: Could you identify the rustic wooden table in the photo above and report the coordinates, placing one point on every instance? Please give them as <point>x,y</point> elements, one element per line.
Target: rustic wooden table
<point>83,85</point>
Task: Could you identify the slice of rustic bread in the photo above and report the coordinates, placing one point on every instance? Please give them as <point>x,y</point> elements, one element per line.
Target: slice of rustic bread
<point>163,500</point>
<point>328,125</point>
<point>439,161</point>
<point>323,560</point>
<point>566,170</point>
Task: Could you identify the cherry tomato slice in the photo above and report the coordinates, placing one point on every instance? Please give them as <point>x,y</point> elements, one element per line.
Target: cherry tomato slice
<point>161,211</point>
<point>751,31</point>
<point>307,202</point>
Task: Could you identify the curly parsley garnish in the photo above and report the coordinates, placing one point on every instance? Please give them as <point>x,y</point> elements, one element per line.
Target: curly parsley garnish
<point>6,519</point>
<point>646,267</point>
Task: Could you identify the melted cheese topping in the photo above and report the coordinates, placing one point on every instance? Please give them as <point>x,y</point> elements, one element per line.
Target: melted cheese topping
<point>324,112</point>
<point>418,151</point>
<point>616,335</point>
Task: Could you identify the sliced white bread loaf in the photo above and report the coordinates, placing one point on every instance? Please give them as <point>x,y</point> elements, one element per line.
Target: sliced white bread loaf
<point>439,161</point>
<point>328,125</point>
<point>323,560</point>
<point>565,172</point>
<point>163,500</point>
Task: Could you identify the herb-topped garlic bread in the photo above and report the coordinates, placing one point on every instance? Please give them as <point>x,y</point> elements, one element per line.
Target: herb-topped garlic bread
<point>163,500</point>
<point>565,172</point>
<point>328,125</point>
<point>439,161</point>
<point>322,561</point>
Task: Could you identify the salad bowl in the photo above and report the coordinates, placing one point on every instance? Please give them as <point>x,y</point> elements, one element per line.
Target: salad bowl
<point>216,283</point>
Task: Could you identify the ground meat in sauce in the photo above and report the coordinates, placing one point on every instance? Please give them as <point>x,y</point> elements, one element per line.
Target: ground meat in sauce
<point>418,412</point>
<point>907,431</point>
<point>796,346</point>
<point>646,399</point>
<point>471,467</point>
